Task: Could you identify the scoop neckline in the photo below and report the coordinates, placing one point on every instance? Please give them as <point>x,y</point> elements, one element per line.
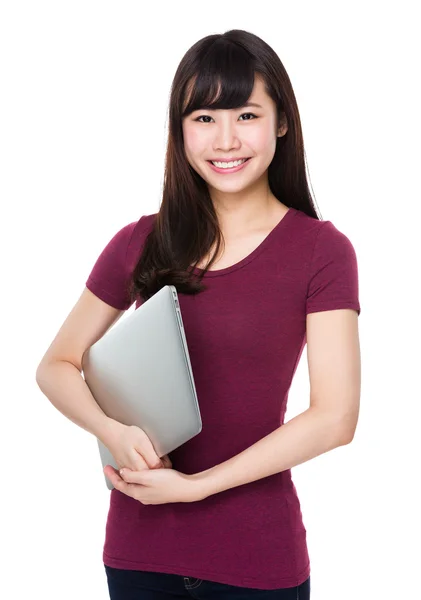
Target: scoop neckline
<point>244,261</point>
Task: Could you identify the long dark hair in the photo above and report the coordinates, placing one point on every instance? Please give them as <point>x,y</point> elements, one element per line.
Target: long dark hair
<point>218,72</point>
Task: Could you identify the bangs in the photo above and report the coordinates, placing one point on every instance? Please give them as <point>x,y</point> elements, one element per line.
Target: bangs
<point>224,79</point>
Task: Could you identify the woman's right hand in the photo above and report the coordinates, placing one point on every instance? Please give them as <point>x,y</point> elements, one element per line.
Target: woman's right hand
<point>131,447</point>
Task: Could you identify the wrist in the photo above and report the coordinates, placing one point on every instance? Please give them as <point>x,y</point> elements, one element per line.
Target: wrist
<point>203,484</point>
<point>108,429</point>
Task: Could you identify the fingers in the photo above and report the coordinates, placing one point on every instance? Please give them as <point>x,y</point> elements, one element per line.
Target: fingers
<point>167,461</point>
<point>147,451</point>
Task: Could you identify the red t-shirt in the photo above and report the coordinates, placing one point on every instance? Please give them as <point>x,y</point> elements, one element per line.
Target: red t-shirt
<point>245,335</point>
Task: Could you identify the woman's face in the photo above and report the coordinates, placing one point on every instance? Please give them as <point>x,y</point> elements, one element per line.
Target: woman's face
<point>249,132</point>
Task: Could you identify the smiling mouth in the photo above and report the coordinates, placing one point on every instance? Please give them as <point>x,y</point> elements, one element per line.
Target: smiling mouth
<point>228,170</point>
<point>226,162</point>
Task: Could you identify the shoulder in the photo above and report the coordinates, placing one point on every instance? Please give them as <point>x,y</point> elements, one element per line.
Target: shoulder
<point>139,230</point>
<point>123,243</point>
<point>321,235</point>
<point>132,234</point>
<point>137,233</point>
<point>331,266</point>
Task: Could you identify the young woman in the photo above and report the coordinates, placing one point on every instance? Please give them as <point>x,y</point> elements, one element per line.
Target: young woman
<point>222,518</point>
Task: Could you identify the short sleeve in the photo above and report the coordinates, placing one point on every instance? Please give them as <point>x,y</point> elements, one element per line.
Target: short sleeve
<point>110,277</point>
<point>333,277</point>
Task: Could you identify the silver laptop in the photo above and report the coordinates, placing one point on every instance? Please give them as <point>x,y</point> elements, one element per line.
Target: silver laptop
<point>140,374</point>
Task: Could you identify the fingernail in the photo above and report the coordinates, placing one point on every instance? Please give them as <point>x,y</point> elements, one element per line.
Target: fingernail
<point>122,472</point>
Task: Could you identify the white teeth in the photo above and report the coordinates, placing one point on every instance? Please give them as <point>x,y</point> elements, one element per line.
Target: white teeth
<point>229,165</point>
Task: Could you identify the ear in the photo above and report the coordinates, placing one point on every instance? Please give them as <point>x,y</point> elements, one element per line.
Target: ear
<point>283,125</point>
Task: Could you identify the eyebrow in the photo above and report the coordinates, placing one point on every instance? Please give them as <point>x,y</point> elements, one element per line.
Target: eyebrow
<point>242,106</point>
<point>251,104</point>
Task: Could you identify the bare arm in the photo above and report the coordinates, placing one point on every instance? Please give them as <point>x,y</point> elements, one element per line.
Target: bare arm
<point>66,389</point>
<point>59,374</point>
<point>306,436</point>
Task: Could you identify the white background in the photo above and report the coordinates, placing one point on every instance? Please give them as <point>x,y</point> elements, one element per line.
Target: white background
<point>84,98</point>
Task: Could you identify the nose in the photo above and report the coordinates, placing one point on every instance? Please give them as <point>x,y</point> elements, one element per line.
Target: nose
<point>226,137</point>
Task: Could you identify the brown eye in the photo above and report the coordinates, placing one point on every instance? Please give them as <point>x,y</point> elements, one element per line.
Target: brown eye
<point>208,117</point>
<point>251,114</point>
<point>203,117</point>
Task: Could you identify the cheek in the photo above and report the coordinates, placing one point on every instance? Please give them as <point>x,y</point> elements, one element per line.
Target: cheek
<point>194,142</point>
<point>261,139</point>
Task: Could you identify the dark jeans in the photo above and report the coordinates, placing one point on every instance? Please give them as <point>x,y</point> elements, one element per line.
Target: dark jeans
<point>124,584</point>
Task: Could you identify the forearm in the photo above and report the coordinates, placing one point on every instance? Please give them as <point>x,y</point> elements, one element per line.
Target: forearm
<point>306,436</point>
<point>63,384</point>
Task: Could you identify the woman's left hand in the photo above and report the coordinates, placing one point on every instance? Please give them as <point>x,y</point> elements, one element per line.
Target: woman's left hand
<point>156,486</point>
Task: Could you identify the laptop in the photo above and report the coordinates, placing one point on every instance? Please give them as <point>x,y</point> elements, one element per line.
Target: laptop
<point>140,373</point>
